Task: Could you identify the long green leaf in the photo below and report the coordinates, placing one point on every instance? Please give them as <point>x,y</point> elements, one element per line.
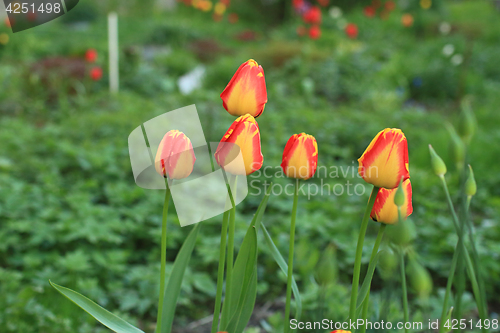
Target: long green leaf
<point>245,269</point>
<point>284,267</point>
<point>175,280</point>
<point>102,315</point>
<point>259,214</point>
<point>227,312</point>
<point>365,287</point>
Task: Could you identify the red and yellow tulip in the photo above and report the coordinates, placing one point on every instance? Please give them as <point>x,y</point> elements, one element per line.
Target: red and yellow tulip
<point>385,210</point>
<point>385,161</point>
<point>175,156</point>
<point>244,136</point>
<point>246,92</point>
<point>300,157</point>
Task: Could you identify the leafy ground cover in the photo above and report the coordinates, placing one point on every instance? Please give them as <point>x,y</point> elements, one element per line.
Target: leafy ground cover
<point>71,212</point>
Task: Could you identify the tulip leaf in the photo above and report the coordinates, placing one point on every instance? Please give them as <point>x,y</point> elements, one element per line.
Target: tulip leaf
<point>244,286</point>
<point>174,283</point>
<point>259,214</point>
<point>284,267</point>
<point>365,287</point>
<point>227,311</point>
<point>102,315</point>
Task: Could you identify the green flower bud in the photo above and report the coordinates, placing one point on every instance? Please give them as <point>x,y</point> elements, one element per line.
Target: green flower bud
<point>399,196</point>
<point>470,184</point>
<point>326,269</point>
<point>437,163</point>
<point>401,233</point>
<point>387,263</point>
<point>467,121</point>
<point>457,146</point>
<point>419,279</point>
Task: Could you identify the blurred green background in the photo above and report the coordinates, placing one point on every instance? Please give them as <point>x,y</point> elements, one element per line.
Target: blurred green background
<point>71,212</point>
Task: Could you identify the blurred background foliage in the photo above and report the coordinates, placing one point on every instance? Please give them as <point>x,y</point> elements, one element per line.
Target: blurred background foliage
<point>71,212</point>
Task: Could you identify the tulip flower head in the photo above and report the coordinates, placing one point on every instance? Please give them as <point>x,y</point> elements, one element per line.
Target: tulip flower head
<point>246,92</point>
<point>385,161</point>
<point>244,136</point>
<point>300,157</point>
<point>385,210</point>
<point>175,156</point>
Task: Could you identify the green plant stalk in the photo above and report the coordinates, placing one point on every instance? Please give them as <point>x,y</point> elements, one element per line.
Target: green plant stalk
<point>163,257</point>
<point>448,290</point>
<point>220,273</point>
<point>403,283</point>
<point>230,249</point>
<point>359,253</point>
<point>475,254</point>
<point>468,263</point>
<point>376,246</point>
<point>290,259</point>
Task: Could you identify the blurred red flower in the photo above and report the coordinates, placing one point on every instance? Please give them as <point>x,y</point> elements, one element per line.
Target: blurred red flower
<point>324,3</point>
<point>369,11</point>
<point>313,15</point>
<point>91,55</point>
<point>390,5</point>
<point>96,73</point>
<point>314,32</point>
<point>351,30</point>
<point>297,3</point>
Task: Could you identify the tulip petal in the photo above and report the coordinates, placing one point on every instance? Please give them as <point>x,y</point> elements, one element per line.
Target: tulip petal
<point>300,156</point>
<point>246,92</point>
<point>385,160</point>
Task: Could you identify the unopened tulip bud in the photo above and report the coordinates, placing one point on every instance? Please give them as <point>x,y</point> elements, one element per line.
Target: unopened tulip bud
<point>420,279</point>
<point>437,163</point>
<point>385,210</point>
<point>402,233</point>
<point>246,92</point>
<point>175,156</point>
<point>399,197</point>
<point>242,136</point>
<point>385,160</point>
<point>326,269</point>
<point>470,184</point>
<point>467,121</point>
<point>300,156</point>
<point>387,263</point>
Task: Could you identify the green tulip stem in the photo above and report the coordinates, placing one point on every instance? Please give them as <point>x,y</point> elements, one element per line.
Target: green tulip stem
<point>230,241</point>
<point>163,257</point>
<point>448,290</point>
<point>366,301</point>
<point>290,259</point>
<point>405,292</point>
<point>359,253</point>
<point>465,253</point>
<point>220,273</point>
